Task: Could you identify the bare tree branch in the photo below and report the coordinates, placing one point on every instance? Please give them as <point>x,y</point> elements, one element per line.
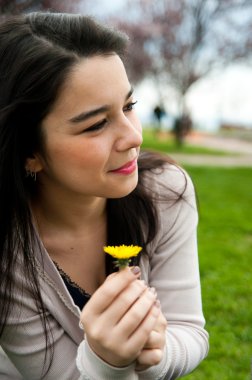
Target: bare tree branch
<point>182,40</point>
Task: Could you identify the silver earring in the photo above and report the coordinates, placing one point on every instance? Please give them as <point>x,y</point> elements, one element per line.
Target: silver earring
<point>31,174</point>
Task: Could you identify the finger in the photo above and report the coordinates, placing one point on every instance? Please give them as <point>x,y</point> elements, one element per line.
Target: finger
<point>109,290</point>
<point>124,301</point>
<point>148,358</point>
<point>155,340</point>
<point>161,323</point>
<point>157,336</point>
<point>139,337</point>
<point>137,313</point>
<point>135,343</point>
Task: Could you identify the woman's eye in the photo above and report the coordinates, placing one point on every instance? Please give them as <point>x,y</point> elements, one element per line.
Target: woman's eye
<point>129,106</point>
<point>97,126</point>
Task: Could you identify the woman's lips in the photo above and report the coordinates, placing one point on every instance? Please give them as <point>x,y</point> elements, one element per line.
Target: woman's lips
<point>128,168</point>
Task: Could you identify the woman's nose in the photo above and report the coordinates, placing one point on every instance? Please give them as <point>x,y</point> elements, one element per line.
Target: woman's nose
<point>130,133</point>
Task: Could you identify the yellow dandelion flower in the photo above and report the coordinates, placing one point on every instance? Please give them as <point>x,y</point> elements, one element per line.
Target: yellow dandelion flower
<point>122,253</point>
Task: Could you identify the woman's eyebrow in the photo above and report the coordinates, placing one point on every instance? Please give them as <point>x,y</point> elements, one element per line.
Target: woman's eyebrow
<point>88,114</point>
<point>129,93</point>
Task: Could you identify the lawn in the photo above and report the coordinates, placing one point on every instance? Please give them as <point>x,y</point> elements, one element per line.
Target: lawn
<point>164,142</point>
<point>225,252</point>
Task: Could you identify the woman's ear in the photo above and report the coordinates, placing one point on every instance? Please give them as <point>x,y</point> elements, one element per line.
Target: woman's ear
<point>33,164</point>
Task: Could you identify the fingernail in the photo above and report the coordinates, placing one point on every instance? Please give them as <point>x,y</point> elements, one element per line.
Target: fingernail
<point>158,304</point>
<point>81,325</point>
<point>135,270</point>
<point>153,290</point>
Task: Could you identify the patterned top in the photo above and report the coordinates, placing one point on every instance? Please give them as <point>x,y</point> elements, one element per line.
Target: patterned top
<point>79,295</point>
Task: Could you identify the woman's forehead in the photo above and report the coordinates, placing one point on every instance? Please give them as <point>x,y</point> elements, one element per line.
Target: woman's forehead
<point>92,82</point>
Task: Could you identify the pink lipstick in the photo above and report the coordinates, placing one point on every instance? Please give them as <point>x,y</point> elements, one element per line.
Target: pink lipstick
<point>128,168</point>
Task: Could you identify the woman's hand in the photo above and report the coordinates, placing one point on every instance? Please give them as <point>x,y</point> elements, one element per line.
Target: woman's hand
<point>120,317</point>
<point>152,352</point>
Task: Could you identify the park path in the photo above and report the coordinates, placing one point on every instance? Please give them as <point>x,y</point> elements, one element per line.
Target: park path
<point>238,153</point>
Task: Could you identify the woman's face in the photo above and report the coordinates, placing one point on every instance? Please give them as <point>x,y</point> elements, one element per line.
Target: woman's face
<point>92,134</point>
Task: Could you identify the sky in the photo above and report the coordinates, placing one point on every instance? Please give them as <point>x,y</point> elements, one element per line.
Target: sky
<point>102,7</point>
<point>221,98</point>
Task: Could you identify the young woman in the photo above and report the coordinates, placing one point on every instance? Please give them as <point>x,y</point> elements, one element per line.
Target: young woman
<point>73,180</point>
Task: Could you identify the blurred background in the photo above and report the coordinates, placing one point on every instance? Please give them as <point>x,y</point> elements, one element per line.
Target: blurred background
<point>190,62</point>
<point>190,58</point>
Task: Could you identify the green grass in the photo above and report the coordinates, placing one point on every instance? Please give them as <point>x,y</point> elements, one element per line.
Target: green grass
<point>225,252</point>
<point>165,142</point>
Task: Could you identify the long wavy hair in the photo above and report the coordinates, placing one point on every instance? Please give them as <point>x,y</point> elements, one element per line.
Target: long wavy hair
<point>37,51</point>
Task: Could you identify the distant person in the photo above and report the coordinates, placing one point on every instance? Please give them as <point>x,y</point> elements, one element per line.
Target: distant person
<point>159,113</point>
<point>73,180</point>
<point>182,126</point>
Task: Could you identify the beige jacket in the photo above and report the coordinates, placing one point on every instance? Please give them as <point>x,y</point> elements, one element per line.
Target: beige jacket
<point>172,268</point>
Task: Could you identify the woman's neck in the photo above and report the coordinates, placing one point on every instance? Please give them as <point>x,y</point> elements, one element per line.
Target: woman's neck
<point>74,236</point>
<point>75,215</point>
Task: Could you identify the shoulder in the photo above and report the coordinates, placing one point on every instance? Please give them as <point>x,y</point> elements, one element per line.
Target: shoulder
<point>169,181</point>
<point>173,195</point>
<point>176,210</point>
